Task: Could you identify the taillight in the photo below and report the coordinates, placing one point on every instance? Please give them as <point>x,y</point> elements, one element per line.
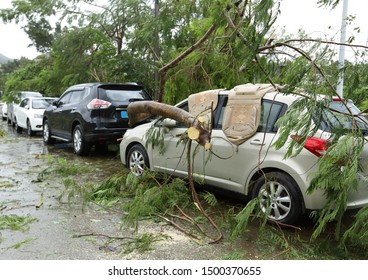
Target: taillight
<point>316,146</point>
<point>98,104</point>
<point>337,99</point>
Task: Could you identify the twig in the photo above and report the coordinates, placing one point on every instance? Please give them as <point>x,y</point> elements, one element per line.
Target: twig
<point>197,203</point>
<point>101,235</point>
<point>178,227</point>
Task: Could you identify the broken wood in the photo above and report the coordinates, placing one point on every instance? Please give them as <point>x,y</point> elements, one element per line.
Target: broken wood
<point>139,111</point>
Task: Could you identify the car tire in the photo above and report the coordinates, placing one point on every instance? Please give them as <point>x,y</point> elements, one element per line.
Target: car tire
<point>80,146</point>
<point>279,197</point>
<point>137,160</point>
<point>30,132</point>
<point>17,127</point>
<point>47,136</point>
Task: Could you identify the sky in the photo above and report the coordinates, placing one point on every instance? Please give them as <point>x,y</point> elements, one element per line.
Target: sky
<point>295,14</point>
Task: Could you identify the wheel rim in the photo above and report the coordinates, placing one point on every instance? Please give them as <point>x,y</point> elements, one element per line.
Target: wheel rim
<point>46,132</point>
<point>136,163</point>
<point>77,140</point>
<point>275,200</point>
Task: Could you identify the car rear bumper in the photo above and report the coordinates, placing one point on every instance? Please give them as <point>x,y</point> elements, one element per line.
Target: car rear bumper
<point>105,136</point>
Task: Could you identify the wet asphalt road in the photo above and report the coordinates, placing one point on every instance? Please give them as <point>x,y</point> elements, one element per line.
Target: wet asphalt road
<point>52,234</point>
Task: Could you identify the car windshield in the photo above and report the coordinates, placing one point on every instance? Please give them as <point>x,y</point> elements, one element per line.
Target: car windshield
<point>41,103</point>
<point>333,119</point>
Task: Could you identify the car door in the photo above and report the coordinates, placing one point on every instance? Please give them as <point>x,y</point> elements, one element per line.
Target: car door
<point>68,112</point>
<point>228,165</point>
<point>21,113</point>
<point>57,115</point>
<point>173,157</point>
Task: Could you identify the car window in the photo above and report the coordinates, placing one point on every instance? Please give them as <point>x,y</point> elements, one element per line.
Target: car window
<point>332,119</point>
<point>184,107</point>
<point>271,112</point>
<point>41,103</point>
<point>65,99</point>
<point>23,103</point>
<point>76,96</point>
<point>115,93</point>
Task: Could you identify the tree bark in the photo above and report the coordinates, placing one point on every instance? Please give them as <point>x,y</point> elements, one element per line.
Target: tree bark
<point>141,110</point>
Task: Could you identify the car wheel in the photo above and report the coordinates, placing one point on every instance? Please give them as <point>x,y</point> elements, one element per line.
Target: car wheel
<point>30,132</point>
<point>279,197</point>
<point>137,160</point>
<point>80,146</point>
<point>47,133</point>
<point>17,127</point>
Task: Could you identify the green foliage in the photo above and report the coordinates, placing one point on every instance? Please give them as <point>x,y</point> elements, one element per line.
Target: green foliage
<point>151,199</point>
<point>340,161</point>
<point>16,222</point>
<point>155,137</point>
<point>109,192</point>
<point>210,198</point>
<point>357,235</point>
<point>244,216</point>
<point>19,244</point>
<point>2,133</point>
<point>301,120</point>
<point>142,243</point>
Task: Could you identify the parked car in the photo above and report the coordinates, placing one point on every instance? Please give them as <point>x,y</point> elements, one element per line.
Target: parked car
<point>29,114</point>
<point>12,106</point>
<point>254,168</point>
<point>91,114</point>
<point>3,110</point>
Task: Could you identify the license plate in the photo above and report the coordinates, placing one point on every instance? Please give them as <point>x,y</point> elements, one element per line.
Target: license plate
<point>124,114</point>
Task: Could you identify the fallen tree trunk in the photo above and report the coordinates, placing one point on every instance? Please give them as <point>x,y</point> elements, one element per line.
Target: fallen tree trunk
<point>139,111</point>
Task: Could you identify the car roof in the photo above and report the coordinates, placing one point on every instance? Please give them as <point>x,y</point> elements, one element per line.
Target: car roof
<point>84,85</point>
<point>30,93</point>
<point>274,95</point>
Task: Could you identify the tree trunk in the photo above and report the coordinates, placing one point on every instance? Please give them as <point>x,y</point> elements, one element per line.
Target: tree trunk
<point>141,110</point>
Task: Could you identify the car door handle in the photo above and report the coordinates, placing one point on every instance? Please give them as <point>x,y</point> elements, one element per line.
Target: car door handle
<point>257,142</point>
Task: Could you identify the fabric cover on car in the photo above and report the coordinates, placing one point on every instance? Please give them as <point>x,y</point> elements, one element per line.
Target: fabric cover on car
<point>202,104</point>
<point>243,111</point>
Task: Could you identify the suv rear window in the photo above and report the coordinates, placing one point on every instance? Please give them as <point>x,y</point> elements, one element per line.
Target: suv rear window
<point>114,93</point>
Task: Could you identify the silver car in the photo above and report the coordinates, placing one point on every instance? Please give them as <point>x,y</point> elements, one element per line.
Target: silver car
<point>253,168</point>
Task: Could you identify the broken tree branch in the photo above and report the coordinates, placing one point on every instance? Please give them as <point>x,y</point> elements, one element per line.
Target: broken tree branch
<point>139,111</point>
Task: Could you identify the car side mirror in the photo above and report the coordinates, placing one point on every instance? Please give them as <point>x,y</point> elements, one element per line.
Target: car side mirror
<point>27,107</point>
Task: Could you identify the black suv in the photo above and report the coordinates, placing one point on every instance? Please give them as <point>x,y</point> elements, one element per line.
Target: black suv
<point>91,114</point>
